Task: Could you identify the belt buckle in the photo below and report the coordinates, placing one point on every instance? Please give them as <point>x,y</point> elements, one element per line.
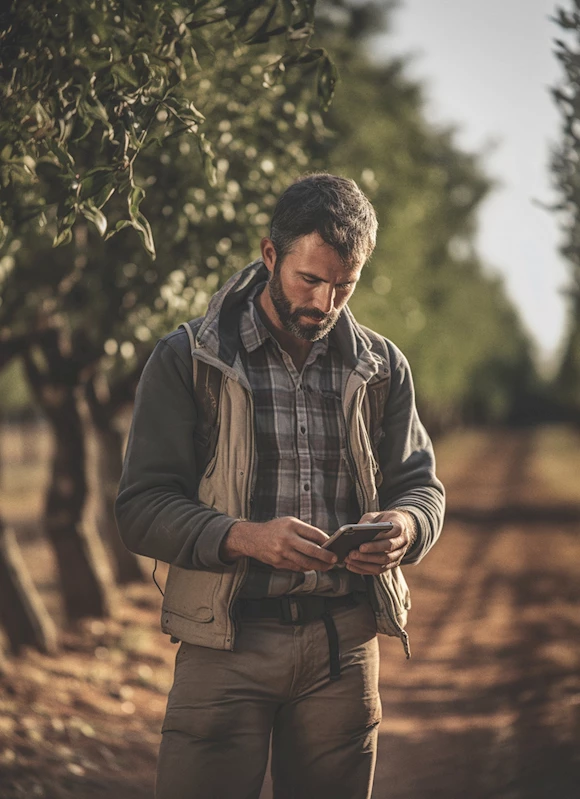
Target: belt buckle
<point>290,610</point>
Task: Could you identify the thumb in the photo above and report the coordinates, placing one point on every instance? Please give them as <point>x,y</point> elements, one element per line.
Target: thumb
<point>369,518</point>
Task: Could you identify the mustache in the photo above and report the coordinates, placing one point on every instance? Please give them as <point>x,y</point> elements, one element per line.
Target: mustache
<point>310,313</point>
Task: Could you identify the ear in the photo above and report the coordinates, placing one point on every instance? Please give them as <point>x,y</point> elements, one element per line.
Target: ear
<point>268,254</point>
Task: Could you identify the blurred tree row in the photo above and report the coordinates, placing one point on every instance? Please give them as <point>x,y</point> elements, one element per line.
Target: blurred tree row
<point>425,287</point>
<point>566,174</point>
<point>83,317</point>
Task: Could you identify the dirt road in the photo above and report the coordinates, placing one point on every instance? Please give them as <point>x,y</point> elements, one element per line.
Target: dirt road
<point>489,705</point>
<point>487,708</point>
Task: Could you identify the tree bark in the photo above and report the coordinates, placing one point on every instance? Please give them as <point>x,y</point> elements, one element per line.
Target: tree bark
<point>85,575</point>
<point>22,611</point>
<point>109,462</point>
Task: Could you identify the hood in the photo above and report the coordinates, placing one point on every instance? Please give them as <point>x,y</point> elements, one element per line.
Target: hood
<point>220,331</point>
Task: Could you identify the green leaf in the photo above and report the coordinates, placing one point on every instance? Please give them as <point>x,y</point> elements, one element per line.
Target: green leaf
<point>122,223</point>
<point>136,195</point>
<point>141,225</point>
<point>138,221</point>
<point>103,196</point>
<point>98,185</point>
<point>244,17</point>
<point>288,9</point>
<point>3,232</point>
<point>61,153</point>
<point>125,75</point>
<point>196,114</point>
<point>327,78</point>
<point>262,35</point>
<point>94,215</point>
<point>64,237</point>
<point>208,159</point>
<point>308,57</point>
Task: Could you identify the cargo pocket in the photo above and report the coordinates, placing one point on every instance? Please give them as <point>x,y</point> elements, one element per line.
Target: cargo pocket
<point>190,593</point>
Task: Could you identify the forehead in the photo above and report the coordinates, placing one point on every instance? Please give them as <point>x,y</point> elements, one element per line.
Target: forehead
<point>311,254</point>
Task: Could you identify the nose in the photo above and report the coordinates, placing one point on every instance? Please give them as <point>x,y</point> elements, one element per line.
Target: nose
<point>324,298</point>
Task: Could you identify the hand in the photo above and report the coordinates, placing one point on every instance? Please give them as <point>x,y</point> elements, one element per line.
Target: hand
<point>388,549</point>
<point>285,543</point>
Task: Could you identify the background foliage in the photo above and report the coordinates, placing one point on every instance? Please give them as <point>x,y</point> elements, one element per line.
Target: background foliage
<point>566,174</point>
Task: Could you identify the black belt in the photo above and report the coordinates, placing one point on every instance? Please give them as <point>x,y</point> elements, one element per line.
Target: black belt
<point>302,610</point>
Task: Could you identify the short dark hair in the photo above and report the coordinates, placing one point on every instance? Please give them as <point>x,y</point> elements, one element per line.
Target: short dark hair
<point>332,206</point>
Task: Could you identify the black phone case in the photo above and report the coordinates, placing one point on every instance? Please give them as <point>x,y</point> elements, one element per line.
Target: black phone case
<point>349,541</point>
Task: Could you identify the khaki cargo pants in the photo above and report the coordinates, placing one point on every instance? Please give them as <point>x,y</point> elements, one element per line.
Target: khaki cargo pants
<point>225,707</point>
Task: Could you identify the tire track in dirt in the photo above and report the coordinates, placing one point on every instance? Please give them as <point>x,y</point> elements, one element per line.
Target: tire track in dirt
<point>489,481</point>
<point>489,706</point>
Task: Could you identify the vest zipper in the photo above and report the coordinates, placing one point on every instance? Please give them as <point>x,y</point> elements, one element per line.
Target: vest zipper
<point>361,494</point>
<point>230,373</point>
<point>364,504</point>
<point>403,634</point>
<point>247,512</point>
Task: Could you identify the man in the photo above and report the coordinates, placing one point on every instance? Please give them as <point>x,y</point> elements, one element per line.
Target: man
<point>294,421</point>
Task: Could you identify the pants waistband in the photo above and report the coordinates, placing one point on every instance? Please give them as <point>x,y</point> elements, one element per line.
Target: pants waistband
<point>302,610</point>
<point>293,609</point>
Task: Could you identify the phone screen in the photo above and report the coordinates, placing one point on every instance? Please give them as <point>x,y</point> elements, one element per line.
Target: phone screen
<point>351,536</point>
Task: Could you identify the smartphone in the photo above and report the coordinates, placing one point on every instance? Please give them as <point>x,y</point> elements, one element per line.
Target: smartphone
<point>351,536</point>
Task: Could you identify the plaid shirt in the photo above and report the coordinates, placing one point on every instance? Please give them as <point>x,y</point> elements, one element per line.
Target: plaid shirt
<point>302,465</point>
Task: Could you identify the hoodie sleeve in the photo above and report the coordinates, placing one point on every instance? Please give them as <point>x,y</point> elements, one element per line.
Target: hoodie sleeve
<point>156,509</point>
<point>407,461</point>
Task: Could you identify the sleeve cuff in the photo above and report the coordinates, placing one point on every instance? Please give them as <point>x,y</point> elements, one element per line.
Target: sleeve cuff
<point>421,528</point>
<point>207,552</point>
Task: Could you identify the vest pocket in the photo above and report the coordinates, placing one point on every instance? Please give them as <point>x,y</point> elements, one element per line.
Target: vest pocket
<point>190,593</point>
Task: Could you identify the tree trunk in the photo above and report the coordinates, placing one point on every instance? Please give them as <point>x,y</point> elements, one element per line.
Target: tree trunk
<point>22,611</point>
<point>568,379</point>
<point>84,570</point>
<point>108,461</point>
<point>83,566</point>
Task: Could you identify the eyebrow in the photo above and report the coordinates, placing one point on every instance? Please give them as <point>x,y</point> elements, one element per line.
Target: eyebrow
<point>322,280</point>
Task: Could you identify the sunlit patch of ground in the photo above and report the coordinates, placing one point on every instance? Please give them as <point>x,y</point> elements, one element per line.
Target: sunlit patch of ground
<point>487,708</point>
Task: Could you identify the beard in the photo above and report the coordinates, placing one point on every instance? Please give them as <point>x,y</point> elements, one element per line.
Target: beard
<point>291,318</point>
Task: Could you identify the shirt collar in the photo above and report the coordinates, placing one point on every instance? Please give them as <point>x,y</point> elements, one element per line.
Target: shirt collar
<point>254,332</point>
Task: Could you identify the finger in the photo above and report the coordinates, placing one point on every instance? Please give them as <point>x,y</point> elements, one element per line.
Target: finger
<point>297,564</point>
<point>310,533</point>
<point>394,531</point>
<point>304,564</point>
<point>287,565</point>
<point>383,545</point>
<point>312,550</point>
<point>383,557</point>
<point>370,568</point>
<point>379,561</point>
<point>369,518</point>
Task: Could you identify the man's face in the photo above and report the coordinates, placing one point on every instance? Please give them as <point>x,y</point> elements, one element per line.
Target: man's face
<point>310,288</point>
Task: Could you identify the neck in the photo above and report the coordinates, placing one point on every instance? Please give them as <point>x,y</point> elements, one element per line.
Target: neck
<point>297,348</point>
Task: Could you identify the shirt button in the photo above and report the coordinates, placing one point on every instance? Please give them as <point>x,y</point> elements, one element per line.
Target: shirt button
<point>307,486</point>
<point>302,429</point>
